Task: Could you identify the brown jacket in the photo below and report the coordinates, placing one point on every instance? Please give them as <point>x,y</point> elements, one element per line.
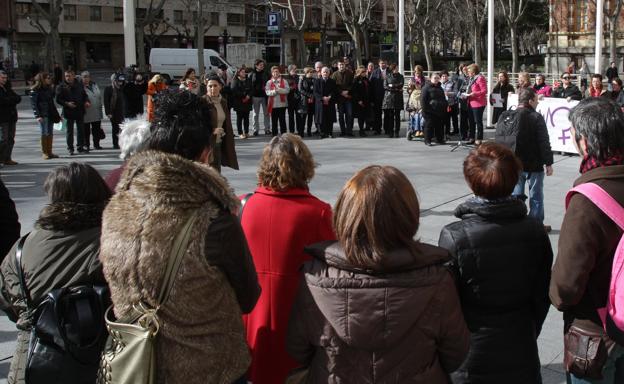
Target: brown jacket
<point>201,338</point>
<point>228,153</point>
<point>582,270</point>
<point>400,324</point>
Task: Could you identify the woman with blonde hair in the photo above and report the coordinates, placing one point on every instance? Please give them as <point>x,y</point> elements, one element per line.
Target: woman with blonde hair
<point>477,101</point>
<point>360,93</point>
<point>279,220</point>
<point>377,305</point>
<point>154,86</point>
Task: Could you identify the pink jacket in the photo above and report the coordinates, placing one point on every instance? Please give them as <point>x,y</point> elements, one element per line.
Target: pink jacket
<point>479,93</point>
<point>546,90</point>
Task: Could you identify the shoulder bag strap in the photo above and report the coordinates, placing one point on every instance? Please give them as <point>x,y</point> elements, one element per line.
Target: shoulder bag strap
<point>180,246</point>
<point>601,199</point>
<point>20,274</point>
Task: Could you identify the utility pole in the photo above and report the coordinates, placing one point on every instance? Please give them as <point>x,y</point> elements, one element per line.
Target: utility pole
<point>129,32</point>
<point>401,42</point>
<point>599,36</point>
<point>490,60</point>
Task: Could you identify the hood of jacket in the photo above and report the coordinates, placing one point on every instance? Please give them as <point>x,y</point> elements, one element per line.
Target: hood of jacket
<point>507,208</point>
<point>374,309</point>
<point>163,179</point>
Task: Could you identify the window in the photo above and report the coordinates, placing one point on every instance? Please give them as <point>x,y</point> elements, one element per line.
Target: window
<point>178,17</point>
<point>214,18</point>
<point>215,62</point>
<point>235,19</point>
<point>578,16</point>
<point>95,13</point>
<point>69,12</point>
<point>118,14</point>
<point>23,9</point>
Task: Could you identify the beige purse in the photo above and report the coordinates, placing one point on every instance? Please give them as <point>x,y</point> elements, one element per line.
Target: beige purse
<point>129,355</point>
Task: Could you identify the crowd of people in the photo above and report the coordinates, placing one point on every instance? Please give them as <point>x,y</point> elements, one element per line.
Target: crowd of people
<point>333,294</point>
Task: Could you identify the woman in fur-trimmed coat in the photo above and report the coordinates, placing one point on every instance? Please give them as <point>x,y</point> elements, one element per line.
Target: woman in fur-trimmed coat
<point>201,338</point>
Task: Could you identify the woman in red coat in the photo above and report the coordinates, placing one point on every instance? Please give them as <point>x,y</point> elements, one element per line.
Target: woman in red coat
<point>279,220</point>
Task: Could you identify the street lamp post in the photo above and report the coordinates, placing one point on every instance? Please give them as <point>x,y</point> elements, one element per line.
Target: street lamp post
<point>129,32</point>
<point>224,39</point>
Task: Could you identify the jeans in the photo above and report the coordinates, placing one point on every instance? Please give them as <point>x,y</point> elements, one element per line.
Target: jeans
<point>46,127</point>
<point>7,140</point>
<point>415,123</point>
<point>345,117</point>
<point>242,122</point>
<point>278,115</point>
<point>69,134</point>
<point>536,193</point>
<point>115,133</point>
<point>476,123</point>
<point>260,102</point>
<point>612,372</point>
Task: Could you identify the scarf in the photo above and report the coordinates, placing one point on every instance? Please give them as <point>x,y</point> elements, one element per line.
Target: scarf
<point>537,87</point>
<point>591,162</point>
<point>272,98</point>
<point>595,92</point>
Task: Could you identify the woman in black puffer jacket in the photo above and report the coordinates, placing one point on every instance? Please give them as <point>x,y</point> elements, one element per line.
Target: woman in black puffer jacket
<point>502,259</point>
<point>393,101</point>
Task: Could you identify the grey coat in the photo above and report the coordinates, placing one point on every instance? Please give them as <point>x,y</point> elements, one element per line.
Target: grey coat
<point>94,112</point>
<point>393,98</point>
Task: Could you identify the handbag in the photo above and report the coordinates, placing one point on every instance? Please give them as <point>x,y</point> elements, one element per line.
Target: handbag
<point>585,352</point>
<point>67,333</point>
<point>61,126</point>
<point>129,355</point>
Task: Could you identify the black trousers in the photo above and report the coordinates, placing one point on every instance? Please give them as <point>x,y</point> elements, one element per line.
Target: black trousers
<point>464,122</point>
<point>476,123</point>
<point>392,121</point>
<point>115,135</point>
<point>377,111</point>
<point>242,122</point>
<point>451,120</point>
<point>69,134</point>
<point>292,117</point>
<point>301,124</point>
<point>434,127</point>
<point>93,129</point>
<point>278,115</point>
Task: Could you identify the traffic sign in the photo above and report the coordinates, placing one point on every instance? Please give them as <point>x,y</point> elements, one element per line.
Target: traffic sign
<point>274,23</point>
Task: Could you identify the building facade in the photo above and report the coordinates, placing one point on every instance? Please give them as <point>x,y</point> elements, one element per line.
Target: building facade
<point>92,30</point>
<point>572,35</point>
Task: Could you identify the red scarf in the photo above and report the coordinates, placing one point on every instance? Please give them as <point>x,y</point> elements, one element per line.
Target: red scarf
<point>272,98</point>
<point>595,92</point>
<point>591,162</point>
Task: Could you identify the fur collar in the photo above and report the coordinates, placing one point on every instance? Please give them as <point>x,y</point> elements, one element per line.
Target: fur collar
<point>157,178</point>
<point>70,216</point>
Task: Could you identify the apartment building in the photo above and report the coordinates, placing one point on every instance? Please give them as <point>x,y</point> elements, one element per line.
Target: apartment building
<point>572,35</point>
<point>92,30</point>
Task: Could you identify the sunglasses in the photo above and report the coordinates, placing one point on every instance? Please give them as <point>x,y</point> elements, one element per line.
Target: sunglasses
<point>566,78</point>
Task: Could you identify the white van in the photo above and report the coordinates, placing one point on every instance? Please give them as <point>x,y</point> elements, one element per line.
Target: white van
<point>172,63</point>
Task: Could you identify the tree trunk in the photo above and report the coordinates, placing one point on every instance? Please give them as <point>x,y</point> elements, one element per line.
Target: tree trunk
<point>412,57</point>
<point>514,47</point>
<point>476,42</point>
<point>357,43</point>
<point>425,42</point>
<point>303,57</point>
<point>612,41</point>
<point>57,51</point>
<point>140,46</point>
<point>365,33</point>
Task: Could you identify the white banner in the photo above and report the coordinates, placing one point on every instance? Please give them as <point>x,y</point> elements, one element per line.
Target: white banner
<point>555,113</point>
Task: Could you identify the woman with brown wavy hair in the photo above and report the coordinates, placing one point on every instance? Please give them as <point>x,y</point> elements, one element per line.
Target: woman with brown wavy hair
<point>377,306</point>
<point>279,220</point>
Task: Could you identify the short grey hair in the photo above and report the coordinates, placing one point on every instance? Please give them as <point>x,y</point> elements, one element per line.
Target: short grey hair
<point>85,73</point>
<point>134,137</point>
<point>318,63</point>
<point>601,122</point>
<point>291,67</point>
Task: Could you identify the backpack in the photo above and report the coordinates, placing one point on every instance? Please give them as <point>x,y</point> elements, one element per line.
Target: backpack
<point>507,128</point>
<point>612,315</point>
<point>68,332</point>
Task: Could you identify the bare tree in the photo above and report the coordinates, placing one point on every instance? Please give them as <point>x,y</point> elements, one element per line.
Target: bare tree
<point>296,21</point>
<point>612,13</point>
<point>50,32</point>
<point>476,10</point>
<point>512,11</point>
<point>422,16</point>
<point>354,14</point>
<point>151,14</point>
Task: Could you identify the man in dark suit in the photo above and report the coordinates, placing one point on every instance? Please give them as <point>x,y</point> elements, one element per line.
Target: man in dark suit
<point>376,80</point>
<point>325,93</point>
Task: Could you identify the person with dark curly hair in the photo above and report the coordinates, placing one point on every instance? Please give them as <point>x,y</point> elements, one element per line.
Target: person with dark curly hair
<point>283,197</point>
<point>201,337</point>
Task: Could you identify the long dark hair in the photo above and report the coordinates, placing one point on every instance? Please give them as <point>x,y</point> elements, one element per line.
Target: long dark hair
<point>76,183</point>
<point>188,73</point>
<point>39,81</point>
